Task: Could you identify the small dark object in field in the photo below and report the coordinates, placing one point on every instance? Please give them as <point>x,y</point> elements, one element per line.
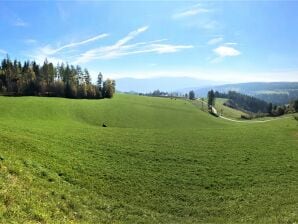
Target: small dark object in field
<point>104,125</point>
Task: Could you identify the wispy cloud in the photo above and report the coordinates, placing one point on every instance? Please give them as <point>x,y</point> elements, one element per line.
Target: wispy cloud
<point>63,13</point>
<point>198,16</point>
<point>121,48</point>
<point>215,40</point>
<point>3,51</point>
<point>231,44</point>
<point>193,11</point>
<point>30,41</point>
<point>131,36</point>
<point>48,50</point>
<point>21,23</point>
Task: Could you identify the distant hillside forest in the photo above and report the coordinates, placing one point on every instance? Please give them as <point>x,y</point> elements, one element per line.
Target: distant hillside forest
<point>278,93</point>
<point>252,104</point>
<point>244,102</point>
<point>62,80</point>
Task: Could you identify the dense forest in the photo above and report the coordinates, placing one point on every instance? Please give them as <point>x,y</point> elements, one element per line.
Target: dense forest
<point>278,93</point>
<point>279,98</point>
<point>252,104</point>
<point>244,102</point>
<point>62,80</point>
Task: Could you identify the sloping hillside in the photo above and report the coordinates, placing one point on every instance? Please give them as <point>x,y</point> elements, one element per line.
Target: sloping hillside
<point>274,92</point>
<point>158,161</point>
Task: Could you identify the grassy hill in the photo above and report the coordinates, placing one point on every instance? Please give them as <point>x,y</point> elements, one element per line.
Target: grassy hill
<point>227,111</point>
<point>158,161</point>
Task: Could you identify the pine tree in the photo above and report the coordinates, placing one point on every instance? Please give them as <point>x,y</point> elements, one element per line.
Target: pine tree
<point>191,95</point>
<point>211,98</point>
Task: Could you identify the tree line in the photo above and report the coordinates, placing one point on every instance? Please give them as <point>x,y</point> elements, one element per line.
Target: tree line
<point>279,98</point>
<point>62,80</point>
<point>252,104</point>
<point>242,101</point>
<point>278,110</point>
<point>159,93</point>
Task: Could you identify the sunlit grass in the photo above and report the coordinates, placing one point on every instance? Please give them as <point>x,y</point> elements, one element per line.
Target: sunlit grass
<point>158,161</point>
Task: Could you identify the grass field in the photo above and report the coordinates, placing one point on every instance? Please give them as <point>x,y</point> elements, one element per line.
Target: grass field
<point>227,111</point>
<point>158,161</point>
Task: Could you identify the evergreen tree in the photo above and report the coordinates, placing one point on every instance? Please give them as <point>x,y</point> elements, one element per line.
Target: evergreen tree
<point>296,105</point>
<point>99,80</point>
<point>87,77</point>
<point>211,98</point>
<point>191,95</point>
<point>49,80</point>
<point>270,108</point>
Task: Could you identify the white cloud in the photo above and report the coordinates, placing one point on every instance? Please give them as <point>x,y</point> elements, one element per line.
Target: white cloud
<point>167,48</point>
<point>195,10</point>
<point>121,48</point>
<point>225,51</point>
<point>130,36</point>
<point>230,43</point>
<point>39,57</point>
<point>3,51</point>
<point>48,50</point>
<point>21,23</point>
<point>30,41</point>
<point>215,40</point>
<point>57,55</point>
<point>198,17</point>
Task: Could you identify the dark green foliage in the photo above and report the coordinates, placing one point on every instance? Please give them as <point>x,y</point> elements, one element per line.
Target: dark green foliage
<point>157,93</point>
<point>243,102</point>
<point>191,95</point>
<point>278,93</point>
<point>270,108</point>
<point>279,110</point>
<point>295,105</point>
<point>108,88</point>
<point>211,98</point>
<point>279,98</point>
<point>30,79</point>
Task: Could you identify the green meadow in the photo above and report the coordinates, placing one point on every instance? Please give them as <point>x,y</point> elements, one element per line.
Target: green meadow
<point>227,111</point>
<point>158,161</point>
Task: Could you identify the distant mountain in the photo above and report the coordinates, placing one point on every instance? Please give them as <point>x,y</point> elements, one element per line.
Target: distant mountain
<point>275,92</point>
<point>166,84</point>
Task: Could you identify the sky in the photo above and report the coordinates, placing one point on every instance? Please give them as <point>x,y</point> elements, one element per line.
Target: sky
<point>227,41</point>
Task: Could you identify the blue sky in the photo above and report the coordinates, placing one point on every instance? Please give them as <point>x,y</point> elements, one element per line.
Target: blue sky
<point>232,41</point>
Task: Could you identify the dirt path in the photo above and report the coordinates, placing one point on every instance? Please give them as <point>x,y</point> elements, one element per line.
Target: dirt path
<point>250,121</point>
<point>263,121</point>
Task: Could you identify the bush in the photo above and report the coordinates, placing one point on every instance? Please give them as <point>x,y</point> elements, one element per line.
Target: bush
<point>246,117</point>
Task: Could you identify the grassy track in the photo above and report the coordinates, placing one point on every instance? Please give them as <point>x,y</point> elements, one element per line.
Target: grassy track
<point>227,111</point>
<point>158,161</point>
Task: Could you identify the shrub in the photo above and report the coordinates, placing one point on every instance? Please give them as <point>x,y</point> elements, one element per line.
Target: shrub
<point>246,117</point>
